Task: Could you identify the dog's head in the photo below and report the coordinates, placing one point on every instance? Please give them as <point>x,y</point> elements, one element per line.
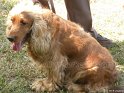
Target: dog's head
<point>20,22</point>
<point>18,29</point>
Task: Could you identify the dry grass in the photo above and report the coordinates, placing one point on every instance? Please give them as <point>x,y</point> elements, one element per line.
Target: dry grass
<point>16,70</point>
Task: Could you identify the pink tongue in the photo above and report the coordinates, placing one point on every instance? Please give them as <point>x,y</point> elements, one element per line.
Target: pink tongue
<point>16,46</point>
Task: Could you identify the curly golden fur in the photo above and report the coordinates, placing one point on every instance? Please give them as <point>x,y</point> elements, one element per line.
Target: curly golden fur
<point>71,57</point>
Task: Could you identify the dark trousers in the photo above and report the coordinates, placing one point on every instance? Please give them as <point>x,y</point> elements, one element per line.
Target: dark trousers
<point>78,12</point>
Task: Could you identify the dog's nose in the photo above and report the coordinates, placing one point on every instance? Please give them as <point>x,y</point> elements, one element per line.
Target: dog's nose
<point>11,38</point>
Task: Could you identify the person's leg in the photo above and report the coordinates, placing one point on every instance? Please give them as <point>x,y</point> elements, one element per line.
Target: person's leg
<point>79,12</point>
<point>45,4</point>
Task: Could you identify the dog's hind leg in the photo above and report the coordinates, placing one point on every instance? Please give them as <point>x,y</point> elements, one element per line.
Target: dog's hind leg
<point>80,82</point>
<point>93,79</point>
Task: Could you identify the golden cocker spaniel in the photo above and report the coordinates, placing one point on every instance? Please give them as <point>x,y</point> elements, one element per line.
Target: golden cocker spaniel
<point>72,58</point>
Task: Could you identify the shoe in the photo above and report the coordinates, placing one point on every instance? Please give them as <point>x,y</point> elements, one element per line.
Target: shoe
<point>105,42</point>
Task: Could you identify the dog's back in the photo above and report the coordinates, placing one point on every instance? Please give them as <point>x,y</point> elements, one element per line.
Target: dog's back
<point>89,64</point>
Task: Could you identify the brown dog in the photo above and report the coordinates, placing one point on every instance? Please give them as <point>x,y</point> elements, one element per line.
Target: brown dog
<point>70,56</point>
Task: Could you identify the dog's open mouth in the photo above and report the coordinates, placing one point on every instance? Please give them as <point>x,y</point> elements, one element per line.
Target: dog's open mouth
<point>17,46</point>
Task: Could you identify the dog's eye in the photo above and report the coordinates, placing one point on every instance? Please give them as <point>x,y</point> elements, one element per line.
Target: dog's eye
<point>22,22</point>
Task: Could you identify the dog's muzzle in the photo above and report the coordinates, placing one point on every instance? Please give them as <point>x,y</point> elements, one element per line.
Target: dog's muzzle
<point>11,38</point>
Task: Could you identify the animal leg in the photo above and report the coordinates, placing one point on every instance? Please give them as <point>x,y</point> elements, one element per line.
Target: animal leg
<point>43,85</point>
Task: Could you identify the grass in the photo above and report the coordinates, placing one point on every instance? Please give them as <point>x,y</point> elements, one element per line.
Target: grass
<point>16,70</point>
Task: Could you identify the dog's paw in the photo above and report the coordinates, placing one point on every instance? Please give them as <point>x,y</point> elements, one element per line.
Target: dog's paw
<point>43,85</point>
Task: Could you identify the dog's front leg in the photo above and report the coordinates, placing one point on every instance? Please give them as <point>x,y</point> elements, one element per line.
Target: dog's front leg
<point>53,82</point>
<point>49,84</point>
<point>55,74</point>
<point>44,85</point>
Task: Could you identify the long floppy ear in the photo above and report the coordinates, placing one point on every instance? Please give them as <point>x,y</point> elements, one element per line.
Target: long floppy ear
<point>40,35</point>
<point>39,25</point>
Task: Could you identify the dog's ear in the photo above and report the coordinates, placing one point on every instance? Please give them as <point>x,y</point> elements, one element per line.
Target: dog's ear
<point>40,33</point>
<point>39,25</point>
